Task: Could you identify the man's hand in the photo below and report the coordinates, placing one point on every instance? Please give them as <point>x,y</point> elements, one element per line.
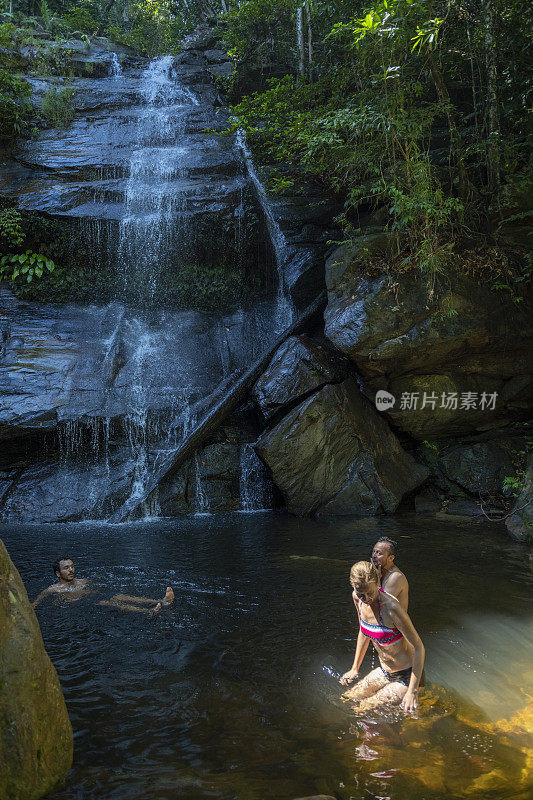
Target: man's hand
<point>348,677</point>
<point>410,701</point>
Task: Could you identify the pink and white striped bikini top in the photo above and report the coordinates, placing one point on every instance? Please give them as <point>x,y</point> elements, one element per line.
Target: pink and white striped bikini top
<point>379,633</point>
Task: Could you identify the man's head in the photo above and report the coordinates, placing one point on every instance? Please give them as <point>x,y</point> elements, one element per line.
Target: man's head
<point>64,569</point>
<point>384,553</point>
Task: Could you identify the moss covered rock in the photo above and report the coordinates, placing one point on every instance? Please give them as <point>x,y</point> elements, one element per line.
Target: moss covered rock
<point>35,730</point>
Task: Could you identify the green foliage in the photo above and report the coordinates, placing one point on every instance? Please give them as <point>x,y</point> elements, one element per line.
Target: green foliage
<point>58,108</point>
<point>7,34</point>
<point>25,266</point>
<point>431,446</point>
<point>81,18</point>
<point>15,106</point>
<point>11,231</point>
<point>52,60</point>
<point>390,111</point>
<point>45,14</point>
<point>156,27</point>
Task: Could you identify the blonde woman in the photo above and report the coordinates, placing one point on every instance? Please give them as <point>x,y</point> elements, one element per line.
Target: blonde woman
<point>383,622</point>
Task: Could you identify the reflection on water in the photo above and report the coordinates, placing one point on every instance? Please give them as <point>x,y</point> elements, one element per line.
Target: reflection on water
<point>231,693</point>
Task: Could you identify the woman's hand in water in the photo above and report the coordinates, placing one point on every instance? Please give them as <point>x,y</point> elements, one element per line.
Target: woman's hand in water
<point>348,677</point>
<point>410,701</point>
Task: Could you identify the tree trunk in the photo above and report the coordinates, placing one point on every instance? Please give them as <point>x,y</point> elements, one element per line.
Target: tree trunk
<point>493,147</point>
<point>464,184</point>
<point>300,38</point>
<point>309,40</point>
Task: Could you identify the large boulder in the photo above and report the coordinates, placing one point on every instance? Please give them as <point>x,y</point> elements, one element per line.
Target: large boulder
<point>409,338</point>
<point>35,732</point>
<point>299,366</point>
<point>334,454</point>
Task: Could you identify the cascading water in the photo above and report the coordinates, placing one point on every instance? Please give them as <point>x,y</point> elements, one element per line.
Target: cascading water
<point>115,70</point>
<point>154,225</point>
<point>137,375</point>
<point>284,304</point>
<point>255,484</point>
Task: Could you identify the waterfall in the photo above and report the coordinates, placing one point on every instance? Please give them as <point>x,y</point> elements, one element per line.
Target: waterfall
<point>255,484</point>
<point>115,70</point>
<point>154,224</point>
<point>136,375</point>
<point>284,305</point>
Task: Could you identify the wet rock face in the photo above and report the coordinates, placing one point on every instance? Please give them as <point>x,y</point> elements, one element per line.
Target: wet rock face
<point>334,454</point>
<point>299,367</point>
<point>482,466</point>
<point>520,523</point>
<point>35,735</point>
<point>68,492</point>
<point>63,364</point>
<point>462,340</point>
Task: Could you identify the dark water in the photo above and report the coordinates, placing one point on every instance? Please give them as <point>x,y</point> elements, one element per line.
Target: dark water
<point>228,694</point>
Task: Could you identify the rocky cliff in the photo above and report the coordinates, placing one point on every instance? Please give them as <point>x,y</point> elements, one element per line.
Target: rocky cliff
<point>449,357</point>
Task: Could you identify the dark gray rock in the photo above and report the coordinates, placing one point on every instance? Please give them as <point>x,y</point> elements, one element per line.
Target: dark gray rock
<point>463,508</point>
<point>334,454</point>
<point>215,478</point>
<point>481,466</point>
<point>216,56</point>
<point>76,364</point>
<point>304,274</point>
<point>51,492</point>
<point>299,367</point>
<point>224,70</point>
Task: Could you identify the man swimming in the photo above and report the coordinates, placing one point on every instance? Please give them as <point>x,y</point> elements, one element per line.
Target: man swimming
<point>69,587</point>
<point>391,579</point>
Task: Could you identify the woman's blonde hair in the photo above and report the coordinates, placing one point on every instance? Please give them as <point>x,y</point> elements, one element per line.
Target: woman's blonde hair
<point>363,573</point>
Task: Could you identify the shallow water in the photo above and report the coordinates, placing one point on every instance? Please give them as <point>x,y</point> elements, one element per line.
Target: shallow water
<point>230,694</point>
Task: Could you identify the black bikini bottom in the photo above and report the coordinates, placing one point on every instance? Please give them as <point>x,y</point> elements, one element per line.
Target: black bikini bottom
<point>402,676</point>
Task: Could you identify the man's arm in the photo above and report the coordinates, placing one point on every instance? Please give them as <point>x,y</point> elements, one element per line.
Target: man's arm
<point>41,596</point>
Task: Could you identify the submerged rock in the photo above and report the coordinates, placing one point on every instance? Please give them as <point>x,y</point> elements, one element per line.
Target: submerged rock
<point>35,735</point>
<point>334,454</point>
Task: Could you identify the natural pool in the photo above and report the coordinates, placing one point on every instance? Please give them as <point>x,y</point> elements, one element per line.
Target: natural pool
<point>229,693</point>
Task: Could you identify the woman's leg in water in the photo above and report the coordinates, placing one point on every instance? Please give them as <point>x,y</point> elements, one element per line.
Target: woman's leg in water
<point>390,695</point>
<point>367,686</point>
